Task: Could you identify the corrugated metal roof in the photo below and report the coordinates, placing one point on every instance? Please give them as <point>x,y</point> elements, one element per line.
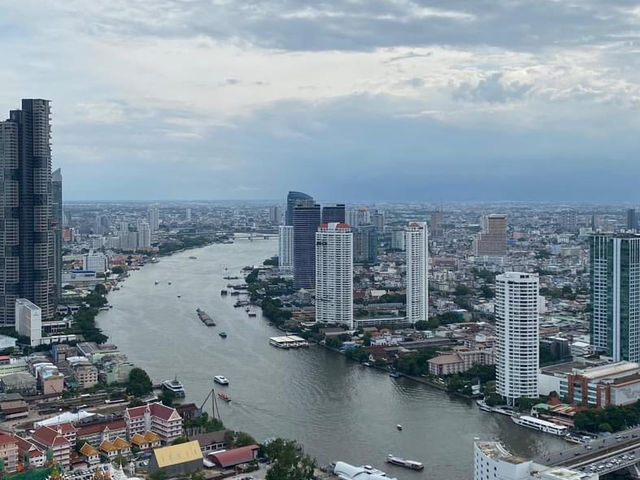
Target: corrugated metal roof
<point>177,454</point>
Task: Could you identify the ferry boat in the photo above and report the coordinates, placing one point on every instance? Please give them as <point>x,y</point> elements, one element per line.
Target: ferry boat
<point>401,462</point>
<point>224,396</point>
<point>223,334</point>
<point>221,380</point>
<point>541,425</point>
<point>175,386</point>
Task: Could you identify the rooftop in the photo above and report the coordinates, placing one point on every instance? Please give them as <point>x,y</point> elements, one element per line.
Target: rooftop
<point>496,451</point>
<point>177,454</point>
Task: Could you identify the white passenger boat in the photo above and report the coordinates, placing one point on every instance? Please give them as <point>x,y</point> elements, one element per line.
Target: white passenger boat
<point>541,425</point>
<point>174,386</point>
<point>221,380</point>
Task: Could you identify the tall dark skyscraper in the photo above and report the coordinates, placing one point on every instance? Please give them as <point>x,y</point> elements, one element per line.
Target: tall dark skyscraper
<point>56,222</point>
<point>293,199</point>
<point>365,244</point>
<point>632,219</point>
<point>26,224</point>
<point>305,224</point>
<point>333,213</point>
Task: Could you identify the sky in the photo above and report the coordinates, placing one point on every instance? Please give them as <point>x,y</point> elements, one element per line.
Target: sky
<point>351,100</point>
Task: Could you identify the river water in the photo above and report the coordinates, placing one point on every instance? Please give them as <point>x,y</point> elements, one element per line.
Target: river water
<point>337,409</point>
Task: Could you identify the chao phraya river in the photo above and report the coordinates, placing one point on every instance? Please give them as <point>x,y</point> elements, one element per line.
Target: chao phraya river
<point>337,409</point>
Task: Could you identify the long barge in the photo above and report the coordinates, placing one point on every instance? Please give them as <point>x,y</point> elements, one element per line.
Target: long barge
<point>205,318</point>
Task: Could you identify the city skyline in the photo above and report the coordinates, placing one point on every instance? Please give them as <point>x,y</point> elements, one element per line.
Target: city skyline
<point>295,93</point>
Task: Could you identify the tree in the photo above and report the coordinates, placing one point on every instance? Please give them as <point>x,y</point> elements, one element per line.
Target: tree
<point>180,440</point>
<point>243,439</point>
<point>117,270</point>
<point>120,461</point>
<point>288,461</point>
<point>366,339</point>
<point>139,383</point>
<point>158,475</point>
<point>167,397</point>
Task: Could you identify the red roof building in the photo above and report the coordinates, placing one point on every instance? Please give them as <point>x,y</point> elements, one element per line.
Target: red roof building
<point>236,456</point>
<point>50,438</point>
<point>154,417</point>
<point>97,433</point>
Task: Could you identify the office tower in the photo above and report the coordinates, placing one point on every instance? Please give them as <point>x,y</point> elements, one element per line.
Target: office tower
<point>56,223</point>
<point>275,216</point>
<point>144,236</point>
<point>397,239</point>
<point>154,218</point>
<point>294,199</point>
<point>378,221</point>
<point>632,219</point>
<point>334,274</point>
<point>333,213</point>
<point>305,223</point>
<point>26,225</point>
<point>435,225</point>
<point>365,244</point>
<point>285,247</point>
<point>358,217</point>
<point>492,240</point>
<point>517,330</point>
<point>417,254</point>
<point>28,320</point>
<point>187,214</point>
<point>568,221</point>
<point>615,295</point>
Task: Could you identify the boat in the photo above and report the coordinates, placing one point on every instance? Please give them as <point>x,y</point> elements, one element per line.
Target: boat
<point>541,425</point>
<point>174,386</point>
<point>401,462</point>
<point>399,427</point>
<point>178,296</point>
<point>205,318</point>
<point>223,334</point>
<point>224,396</point>
<point>366,364</point>
<point>193,258</point>
<point>247,310</point>
<point>252,314</point>
<point>221,380</point>
<point>482,405</point>
<point>230,278</point>
<point>168,283</point>
<point>156,282</point>
<point>395,375</point>
<point>223,292</point>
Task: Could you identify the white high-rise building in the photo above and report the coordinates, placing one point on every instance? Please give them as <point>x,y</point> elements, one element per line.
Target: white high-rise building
<point>144,236</point>
<point>154,218</point>
<point>517,329</point>
<point>95,262</point>
<point>285,247</point>
<point>417,254</point>
<point>334,274</point>
<point>188,214</point>
<point>29,320</point>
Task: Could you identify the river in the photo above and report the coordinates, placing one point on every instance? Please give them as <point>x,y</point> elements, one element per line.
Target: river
<point>337,409</point>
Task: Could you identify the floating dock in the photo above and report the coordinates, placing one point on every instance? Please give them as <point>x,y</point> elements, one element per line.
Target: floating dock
<point>288,341</point>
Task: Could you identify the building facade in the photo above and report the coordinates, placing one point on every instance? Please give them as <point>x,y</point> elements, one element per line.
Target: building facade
<point>615,295</point>
<point>28,320</point>
<point>334,274</point>
<point>26,231</point>
<point>154,417</point>
<point>153,216</point>
<point>333,213</point>
<point>492,240</point>
<point>285,247</point>
<point>56,222</point>
<point>365,244</point>
<point>417,259</point>
<point>517,331</point>
<point>305,223</point>
<point>296,199</point>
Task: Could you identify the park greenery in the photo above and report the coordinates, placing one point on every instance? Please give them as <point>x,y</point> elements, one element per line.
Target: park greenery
<point>139,383</point>
<point>415,364</point>
<point>288,461</point>
<point>204,424</point>
<point>609,419</point>
<point>85,318</point>
<point>436,321</point>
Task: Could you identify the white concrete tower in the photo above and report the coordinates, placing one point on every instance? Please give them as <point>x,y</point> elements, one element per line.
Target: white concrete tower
<point>285,247</point>
<point>334,274</point>
<point>417,251</point>
<point>517,329</point>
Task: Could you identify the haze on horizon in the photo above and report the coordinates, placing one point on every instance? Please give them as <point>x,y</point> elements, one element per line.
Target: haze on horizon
<point>386,100</point>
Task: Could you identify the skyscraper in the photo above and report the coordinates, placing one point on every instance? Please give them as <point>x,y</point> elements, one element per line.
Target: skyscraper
<point>632,219</point>
<point>517,330</point>
<point>492,240</point>
<point>274,215</point>
<point>377,218</point>
<point>27,234</point>
<point>334,274</point>
<point>285,247</point>
<point>615,295</point>
<point>293,199</point>
<point>154,218</point>
<point>365,244</point>
<point>56,222</point>
<point>305,223</point>
<point>435,224</point>
<point>333,213</point>
<point>417,255</point>
<point>187,214</point>
<point>144,236</point>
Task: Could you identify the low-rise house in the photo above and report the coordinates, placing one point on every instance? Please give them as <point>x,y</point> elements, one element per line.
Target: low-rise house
<point>177,460</point>
<point>212,441</point>
<point>235,456</point>
<point>96,433</point>
<point>148,441</point>
<point>49,438</point>
<point>90,454</point>
<point>111,450</point>
<point>26,449</point>
<point>155,417</point>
